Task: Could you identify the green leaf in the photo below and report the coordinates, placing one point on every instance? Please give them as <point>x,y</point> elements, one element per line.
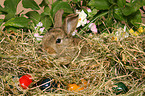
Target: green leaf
<point>75,1</point>
<point>61,5</point>
<point>17,22</point>
<point>131,7</point>
<point>1,21</point>
<point>10,9</point>
<point>118,14</point>
<point>44,3</point>
<point>135,18</point>
<point>1,8</point>
<point>30,4</point>
<point>99,4</point>
<point>47,10</point>
<point>9,16</point>
<point>121,3</point>
<point>94,12</point>
<point>46,21</point>
<point>109,20</point>
<point>11,5</point>
<point>9,29</point>
<point>112,1</point>
<point>34,16</point>
<point>138,2</point>
<point>3,11</point>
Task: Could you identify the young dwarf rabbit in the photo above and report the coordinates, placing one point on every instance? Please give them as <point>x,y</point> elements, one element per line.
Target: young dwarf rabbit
<point>58,42</point>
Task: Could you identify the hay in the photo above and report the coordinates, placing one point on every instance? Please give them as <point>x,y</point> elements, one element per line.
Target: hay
<point>110,62</point>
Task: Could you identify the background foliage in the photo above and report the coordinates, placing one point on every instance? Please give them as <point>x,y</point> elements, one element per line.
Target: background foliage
<point>117,10</point>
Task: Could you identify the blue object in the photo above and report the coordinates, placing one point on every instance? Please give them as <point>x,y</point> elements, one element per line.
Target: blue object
<point>49,86</point>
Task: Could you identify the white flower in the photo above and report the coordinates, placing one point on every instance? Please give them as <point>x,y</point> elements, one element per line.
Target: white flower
<point>125,28</point>
<point>82,18</point>
<point>39,24</point>
<point>121,33</point>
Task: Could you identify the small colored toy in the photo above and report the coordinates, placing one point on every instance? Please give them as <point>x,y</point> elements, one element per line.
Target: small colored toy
<point>76,88</point>
<point>25,81</point>
<point>47,84</point>
<point>119,88</point>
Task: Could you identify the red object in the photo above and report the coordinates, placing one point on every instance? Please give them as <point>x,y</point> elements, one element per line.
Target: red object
<point>25,81</point>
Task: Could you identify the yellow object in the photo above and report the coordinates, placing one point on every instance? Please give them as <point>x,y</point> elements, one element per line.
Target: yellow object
<point>135,33</point>
<point>131,31</point>
<point>140,30</point>
<point>75,87</point>
<point>114,38</point>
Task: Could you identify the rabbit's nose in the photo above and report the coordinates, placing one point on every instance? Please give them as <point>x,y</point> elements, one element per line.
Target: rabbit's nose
<point>50,50</point>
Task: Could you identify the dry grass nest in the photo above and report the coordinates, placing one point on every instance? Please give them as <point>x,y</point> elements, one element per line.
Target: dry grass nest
<point>110,62</point>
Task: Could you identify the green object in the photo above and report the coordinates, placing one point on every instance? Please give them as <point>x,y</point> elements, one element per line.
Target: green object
<point>99,4</point>
<point>34,16</point>
<point>1,21</point>
<point>11,5</point>
<point>132,7</point>
<point>18,22</point>
<point>44,3</point>
<point>121,3</point>
<point>61,5</point>
<point>118,14</point>
<point>136,19</point>
<point>30,4</point>
<point>120,88</point>
<point>46,21</point>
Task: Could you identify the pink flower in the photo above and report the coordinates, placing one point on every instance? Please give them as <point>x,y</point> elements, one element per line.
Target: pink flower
<point>40,24</point>
<point>93,28</point>
<point>38,37</point>
<point>89,10</point>
<point>88,21</point>
<point>42,29</point>
<point>74,33</point>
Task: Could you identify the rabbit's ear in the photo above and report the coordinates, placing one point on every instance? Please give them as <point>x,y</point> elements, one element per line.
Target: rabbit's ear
<point>58,18</point>
<point>70,23</point>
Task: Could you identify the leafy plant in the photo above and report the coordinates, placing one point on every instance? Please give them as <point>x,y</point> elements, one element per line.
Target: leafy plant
<point>111,10</point>
<point>14,20</point>
<point>120,10</point>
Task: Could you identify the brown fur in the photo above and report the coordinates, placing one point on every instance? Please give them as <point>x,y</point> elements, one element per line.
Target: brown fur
<point>67,49</point>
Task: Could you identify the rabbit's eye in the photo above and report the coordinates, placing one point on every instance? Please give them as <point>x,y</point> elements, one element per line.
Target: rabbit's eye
<point>58,40</point>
